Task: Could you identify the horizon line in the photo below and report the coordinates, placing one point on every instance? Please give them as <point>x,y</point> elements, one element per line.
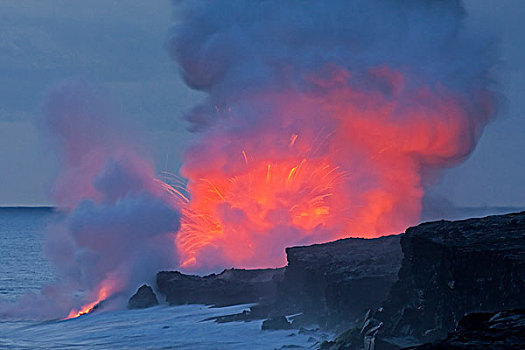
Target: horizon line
<point>22,206</point>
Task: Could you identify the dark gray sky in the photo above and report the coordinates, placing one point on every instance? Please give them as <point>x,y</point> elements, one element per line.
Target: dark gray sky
<point>119,44</point>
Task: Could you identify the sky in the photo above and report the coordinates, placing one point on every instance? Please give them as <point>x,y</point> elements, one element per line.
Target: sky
<point>120,46</point>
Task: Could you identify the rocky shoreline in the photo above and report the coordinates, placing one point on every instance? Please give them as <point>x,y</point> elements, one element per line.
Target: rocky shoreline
<point>328,285</point>
<point>388,293</point>
<point>230,287</point>
<point>449,269</point>
<point>484,330</point>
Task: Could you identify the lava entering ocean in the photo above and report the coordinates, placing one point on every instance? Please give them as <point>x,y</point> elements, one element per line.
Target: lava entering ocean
<point>102,294</point>
<point>117,225</point>
<point>320,122</point>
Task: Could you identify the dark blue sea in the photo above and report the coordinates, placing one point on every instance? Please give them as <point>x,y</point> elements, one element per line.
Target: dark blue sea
<point>24,269</point>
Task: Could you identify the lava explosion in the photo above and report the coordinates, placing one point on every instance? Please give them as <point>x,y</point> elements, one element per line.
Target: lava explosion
<point>322,121</point>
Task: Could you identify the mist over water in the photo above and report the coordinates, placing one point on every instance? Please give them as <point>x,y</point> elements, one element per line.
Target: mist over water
<point>117,228</point>
<point>23,270</point>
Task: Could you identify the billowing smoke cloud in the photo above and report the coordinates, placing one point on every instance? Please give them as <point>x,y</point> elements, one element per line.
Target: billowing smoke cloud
<point>118,228</point>
<point>324,119</point>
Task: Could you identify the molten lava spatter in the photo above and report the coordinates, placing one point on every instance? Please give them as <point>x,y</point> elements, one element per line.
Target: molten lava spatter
<point>321,122</point>
<point>337,162</point>
<point>103,293</point>
<point>235,215</point>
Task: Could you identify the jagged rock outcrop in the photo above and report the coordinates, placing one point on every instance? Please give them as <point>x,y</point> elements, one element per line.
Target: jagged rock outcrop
<point>230,287</point>
<point>503,330</point>
<point>449,269</point>
<point>143,298</point>
<point>276,323</point>
<point>337,282</point>
<point>453,268</point>
<point>326,283</point>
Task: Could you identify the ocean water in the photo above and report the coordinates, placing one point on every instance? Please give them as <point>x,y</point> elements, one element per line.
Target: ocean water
<point>24,269</point>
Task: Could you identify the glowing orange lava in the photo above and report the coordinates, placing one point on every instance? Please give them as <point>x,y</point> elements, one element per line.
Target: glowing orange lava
<point>336,162</point>
<point>103,293</point>
<point>274,193</point>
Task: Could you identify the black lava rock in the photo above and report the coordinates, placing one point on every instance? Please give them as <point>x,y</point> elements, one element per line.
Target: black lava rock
<point>449,269</point>
<point>230,287</point>
<point>327,284</point>
<point>143,298</point>
<point>276,323</point>
<point>337,282</point>
<point>503,330</point>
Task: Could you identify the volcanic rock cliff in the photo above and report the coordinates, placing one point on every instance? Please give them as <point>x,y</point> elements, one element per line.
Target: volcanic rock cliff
<point>230,287</point>
<point>337,282</point>
<point>452,268</point>
<point>326,284</point>
<point>484,330</point>
<point>449,269</point>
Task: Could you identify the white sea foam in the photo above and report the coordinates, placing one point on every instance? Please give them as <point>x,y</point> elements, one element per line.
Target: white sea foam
<point>23,269</point>
<point>161,327</point>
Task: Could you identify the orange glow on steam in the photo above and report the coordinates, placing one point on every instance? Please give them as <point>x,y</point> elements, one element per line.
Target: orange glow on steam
<point>103,294</point>
<point>328,164</point>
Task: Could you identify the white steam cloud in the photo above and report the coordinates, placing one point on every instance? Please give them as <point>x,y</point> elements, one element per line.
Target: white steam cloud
<point>117,228</point>
<point>323,119</point>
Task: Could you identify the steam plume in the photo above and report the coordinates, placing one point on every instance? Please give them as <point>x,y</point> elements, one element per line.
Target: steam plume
<point>323,119</point>
<point>118,228</point>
